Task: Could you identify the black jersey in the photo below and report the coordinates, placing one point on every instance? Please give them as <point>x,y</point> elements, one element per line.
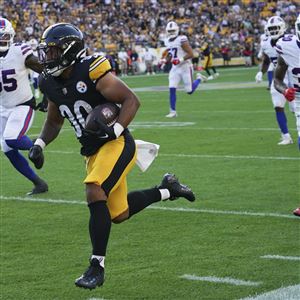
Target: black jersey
<point>76,96</point>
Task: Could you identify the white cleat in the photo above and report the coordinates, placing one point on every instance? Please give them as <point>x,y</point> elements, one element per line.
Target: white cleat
<point>286,140</point>
<point>210,77</point>
<point>216,75</point>
<point>172,114</point>
<point>201,77</point>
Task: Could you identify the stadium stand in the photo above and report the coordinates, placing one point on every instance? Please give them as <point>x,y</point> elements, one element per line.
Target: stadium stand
<point>111,25</point>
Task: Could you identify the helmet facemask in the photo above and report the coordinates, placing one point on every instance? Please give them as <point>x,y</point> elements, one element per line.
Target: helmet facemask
<point>275,28</point>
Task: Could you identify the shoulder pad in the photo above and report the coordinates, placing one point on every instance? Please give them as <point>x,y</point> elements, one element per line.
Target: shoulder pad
<point>98,66</point>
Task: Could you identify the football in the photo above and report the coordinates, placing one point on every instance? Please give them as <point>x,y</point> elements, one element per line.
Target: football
<point>107,113</point>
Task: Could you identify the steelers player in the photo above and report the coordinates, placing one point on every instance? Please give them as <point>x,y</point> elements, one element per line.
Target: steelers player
<point>208,61</point>
<point>74,84</point>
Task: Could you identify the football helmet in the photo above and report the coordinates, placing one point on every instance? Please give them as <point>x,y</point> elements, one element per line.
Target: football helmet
<point>33,44</point>
<point>275,27</point>
<point>7,34</point>
<point>297,28</point>
<point>172,30</point>
<point>61,45</point>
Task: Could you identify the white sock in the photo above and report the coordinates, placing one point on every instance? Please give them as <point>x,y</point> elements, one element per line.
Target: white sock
<point>100,258</point>
<point>165,194</point>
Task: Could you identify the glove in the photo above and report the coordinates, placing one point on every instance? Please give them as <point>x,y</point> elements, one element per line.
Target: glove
<point>103,134</point>
<point>176,61</point>
<point>162,63</point>
<point>36,156</point>
<point>43,105</point>
<point>258,77</point>
<point>289,94</point>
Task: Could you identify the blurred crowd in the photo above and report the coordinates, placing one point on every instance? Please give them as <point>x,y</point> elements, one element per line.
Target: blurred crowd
<point>231,27</point>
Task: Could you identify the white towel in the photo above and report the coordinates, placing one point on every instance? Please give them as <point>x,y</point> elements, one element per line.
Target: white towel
<point>146,153</point>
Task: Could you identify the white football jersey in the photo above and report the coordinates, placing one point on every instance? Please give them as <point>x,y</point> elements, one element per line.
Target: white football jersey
<point>175,48</point>
<point>288,47</point>
<point>14,82</point>
<point>270,51</point>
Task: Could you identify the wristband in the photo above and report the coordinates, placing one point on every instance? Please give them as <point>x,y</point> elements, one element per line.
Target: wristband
<point>118,129</point>
<point>40,142</point>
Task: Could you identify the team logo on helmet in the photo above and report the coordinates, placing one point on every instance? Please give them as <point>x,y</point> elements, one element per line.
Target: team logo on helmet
<point>81,87</point>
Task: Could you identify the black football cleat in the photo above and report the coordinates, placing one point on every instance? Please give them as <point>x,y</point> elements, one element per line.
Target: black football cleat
<point>40,186</point>
<point>175,188</point>
<point>92,277</point>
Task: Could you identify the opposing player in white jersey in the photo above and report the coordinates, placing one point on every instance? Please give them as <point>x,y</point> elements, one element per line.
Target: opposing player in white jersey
<point>181,54</point>
<point>34,75</point>
<point>270,70</point>
<point>17,102</point>
<point>275,29</point>
<point>288,48</point>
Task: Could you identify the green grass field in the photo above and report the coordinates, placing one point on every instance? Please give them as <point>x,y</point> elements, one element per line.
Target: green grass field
<point>224,145</point>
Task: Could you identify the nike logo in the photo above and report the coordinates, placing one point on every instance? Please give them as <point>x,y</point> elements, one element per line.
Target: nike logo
<point>103,136</point>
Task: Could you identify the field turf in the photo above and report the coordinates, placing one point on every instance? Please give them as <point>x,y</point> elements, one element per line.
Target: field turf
<point>223,144</point>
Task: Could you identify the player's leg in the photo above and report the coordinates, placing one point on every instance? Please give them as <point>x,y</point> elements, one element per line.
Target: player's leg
<point>105,172</point>
<point>174,79</point>
<point>170,188</point>
<point>278,102</point>
<point>13,129</point>
<point>190,85</point>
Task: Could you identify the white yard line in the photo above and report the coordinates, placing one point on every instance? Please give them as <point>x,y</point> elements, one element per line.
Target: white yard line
<point>246,157</point>
<point>227,280</point>
<point>281,257</point>
<point>177,209</point>
<point>285,293</point>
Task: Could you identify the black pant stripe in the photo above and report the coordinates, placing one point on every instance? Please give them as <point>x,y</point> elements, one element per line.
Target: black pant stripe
<point>121,164</point>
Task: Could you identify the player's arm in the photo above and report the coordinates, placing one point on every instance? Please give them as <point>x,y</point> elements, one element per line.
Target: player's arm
<point>265,63</point>
<point>188,50</point>
<point>115,90</point>
<point>53,124</point>
<point>279,84</point>
<point>50,131</point>
<point>33,63</point>
<point>263,67</point>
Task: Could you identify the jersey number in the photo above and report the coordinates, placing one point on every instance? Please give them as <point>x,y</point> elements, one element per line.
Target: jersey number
<point>8,84</point>
<point>173,52</point>
<point>77,121</point>
<point>296,72</point>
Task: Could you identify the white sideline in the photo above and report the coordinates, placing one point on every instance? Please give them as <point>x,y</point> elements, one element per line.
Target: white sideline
<point>178,209</point>
<point>220,280</point>
<point>281,257</point>
<point>291,292</point>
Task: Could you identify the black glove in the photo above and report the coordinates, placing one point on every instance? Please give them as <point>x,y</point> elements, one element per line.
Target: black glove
<point>43,106</point>
<point>36,156</point>
<point>92,140</point>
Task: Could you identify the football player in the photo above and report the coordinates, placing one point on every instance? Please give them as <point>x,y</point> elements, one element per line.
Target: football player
<point>260,55</point>
<point>208,61</point>
<point>17,103</point>
<point>181,54</point>
<point>74,84</point>
<point>288,49</point>
<point>275,29</point>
